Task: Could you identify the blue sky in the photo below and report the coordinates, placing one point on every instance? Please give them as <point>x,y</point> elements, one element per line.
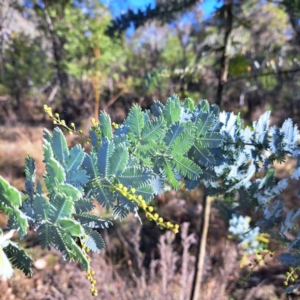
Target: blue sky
<point>122,6</point>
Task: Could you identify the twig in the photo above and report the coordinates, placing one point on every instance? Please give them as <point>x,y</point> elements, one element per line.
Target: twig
<point>114,99</point>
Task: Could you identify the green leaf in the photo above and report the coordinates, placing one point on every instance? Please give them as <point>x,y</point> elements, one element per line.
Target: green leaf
<point>135,177</point>
<point>44,233</point>
<point>55,172</point>
<point>18,258</point>
<point>104,195</point>
<point>168,172</point>
<point>172,110</point>
<point>72,226</point>
<point>47,136</point>
<point>153,130</point>
<point>105,125</point>
<point>62,241</point>
<point>105,152</point>
<point>92,221</point>
<point>41,208</point>
<point>203,106</point>
<point>182,143</point>
<point>118,161</point>
<point>30,176</point>
<point>61,207</point>
<point>79,255</point>
<point>146,192</point>
<point>9,195</point>
<point>135,121</point>
<point>69,190</point>
<point>189,104</point>
<point>76,158</point>
<point>94,241</point>
<point>204,123</point>
<point>18,221</point>
<point>187,168</point>
<point>48,153</point>
<point>203,155</point>
<point>172,134</point>
<point>212,140</point>
<point>84,205</point>
<point>90,166</point>
<point>120,212</point>
<point>60,146</point>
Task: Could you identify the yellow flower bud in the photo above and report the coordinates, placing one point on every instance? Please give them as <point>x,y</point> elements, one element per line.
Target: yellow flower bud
<point>72,125</point>
<point>150,208</point>
<point>56,115</point>
<point>140,198</point>
<point>80,132</point>
<point>160,220</point>
<point>132,190</point>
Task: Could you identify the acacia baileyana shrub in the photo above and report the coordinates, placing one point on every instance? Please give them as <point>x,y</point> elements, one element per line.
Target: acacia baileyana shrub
<point>176,144</point>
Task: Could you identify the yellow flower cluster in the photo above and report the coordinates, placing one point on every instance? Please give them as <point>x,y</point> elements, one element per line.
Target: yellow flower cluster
<point>291,275</point>
<point>114,125</point>
<point>57,121</point>
<point>94,122</point>
<point>138,199</point>
<point>90,273</point>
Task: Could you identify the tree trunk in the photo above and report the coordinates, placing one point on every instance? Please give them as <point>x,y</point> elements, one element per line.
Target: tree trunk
<point>200,254</point>
<point>224,58</point>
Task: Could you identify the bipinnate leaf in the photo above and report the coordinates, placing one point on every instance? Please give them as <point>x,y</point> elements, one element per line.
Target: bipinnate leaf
<point>69,190</point>
<point>182,143</point>
<point>30,176</point>
<point>202,155</point>
<point>174,131</point>
<point>9,195</point>
<point>120,212</point>
<point>84,205</point>
<point>72,226</point>
<point>19,258</point>
<point>135,121</point>
<point>187,168</point>
<point>146,192</point>
<point>75,159</point>
<point>61,207</point>
<point>154,130</point>
<point>105,152</point>
<point>55,173</point>
<point>60,146</point>
<point>172,110</point>
<point>90,166</point>
<point>204,123</point>
<point>94,241</point>
<point>211,140</point>
<point>92,221</point>
<point>189,104</point>
<point>135,177</point>
<point>105,125</point>
<point>103,194</point>
<point>118,161</point>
